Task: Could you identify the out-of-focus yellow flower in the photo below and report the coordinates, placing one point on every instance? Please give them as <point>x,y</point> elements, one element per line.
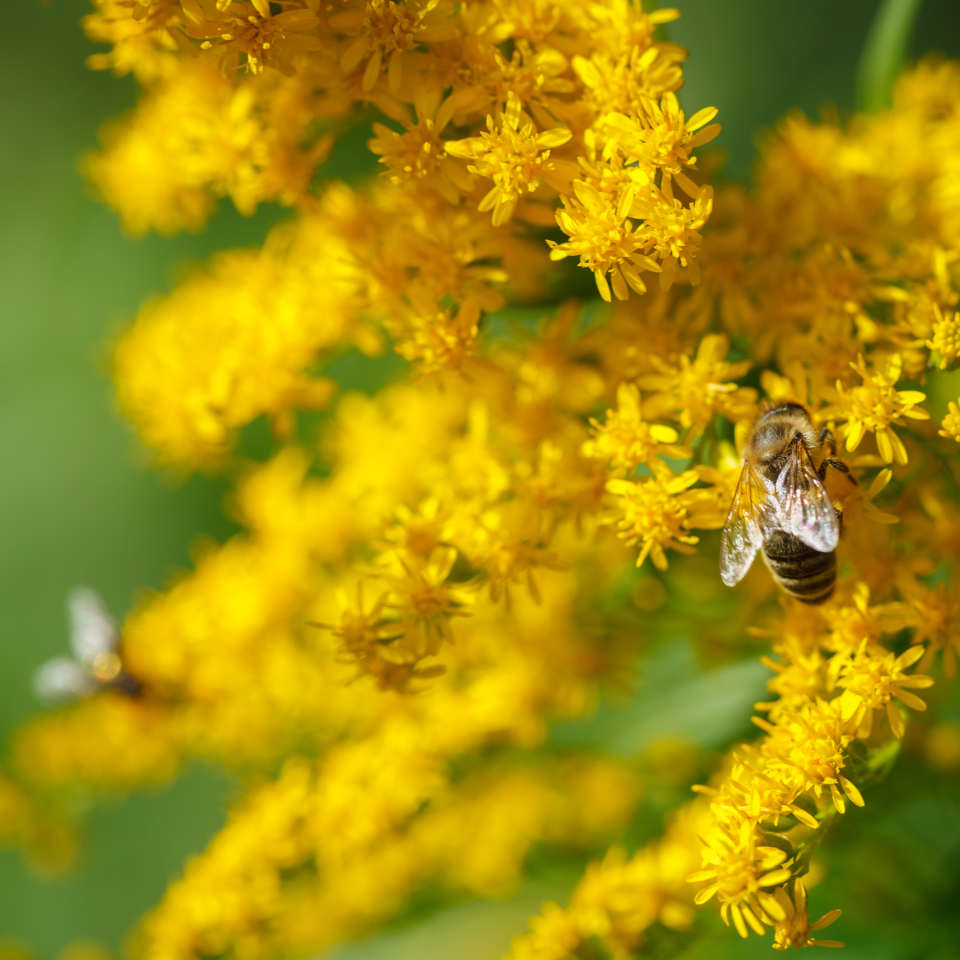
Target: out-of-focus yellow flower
<point>795,929</point>
<point>694,389</point>
<point>144,44</point>
<point>386,31</point>
<point>619,899</point>
<point>950,428</point>
<point>188,392</point>
<point>252,31</point>
<point>946,336</point>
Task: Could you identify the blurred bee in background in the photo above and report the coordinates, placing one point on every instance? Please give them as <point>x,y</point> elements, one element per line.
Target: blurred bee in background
<point>95,664</point>
<point>782,507</point>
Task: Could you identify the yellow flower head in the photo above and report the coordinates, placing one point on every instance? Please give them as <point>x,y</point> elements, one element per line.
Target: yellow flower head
<point>875,405</point>
<point>626,440</point>
<point>659,513</point>
<point>793,929</point>
<point>950,428</point>
<point>515,157</point>
<point>946,336</point>
<point>604,240</point>
<point>385,28</point>
<point>742,872</point>
<point>250,30</point>
<point>695,389</point>
<point>871,681</point>
<point>659,138</point>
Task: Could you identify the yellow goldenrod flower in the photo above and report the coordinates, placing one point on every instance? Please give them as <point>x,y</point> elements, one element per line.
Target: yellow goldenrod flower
<point>950,428</point>
<point>389,29</point>
<point>197,136</point>
<point>807,749</point>
<point>876,487</point>
<point>515,157</point>
<point>794,929</point>
<point>189,385</point>
<point>742,874</point>
<point>237,29</point>
<point>419,152</point>
<point>629,83</point>
<point>857,619</point>
<point>626,440</point>
<point>618,899</point>
<point>871,681</point>
<point>945,338</point>
<point>143,44</point>
<point>938,623</point>
<point>604,239</point>
<point>661,139</point>
<point>695,389</point>
<point>424,602</point>
<point>875,405</point>
<point>659,513</point>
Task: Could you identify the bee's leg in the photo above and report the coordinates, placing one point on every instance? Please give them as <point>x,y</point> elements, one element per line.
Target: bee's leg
<point>829,442</point>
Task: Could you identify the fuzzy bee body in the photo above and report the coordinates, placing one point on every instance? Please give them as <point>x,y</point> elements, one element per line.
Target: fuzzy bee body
<point>782,508</point>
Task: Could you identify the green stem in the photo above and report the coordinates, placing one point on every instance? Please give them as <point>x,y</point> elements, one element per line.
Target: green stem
<point>884,52</point>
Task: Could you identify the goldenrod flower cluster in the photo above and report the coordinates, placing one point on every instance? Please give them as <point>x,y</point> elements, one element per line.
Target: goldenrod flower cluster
<point>421,588</point>
<point>505,107</point>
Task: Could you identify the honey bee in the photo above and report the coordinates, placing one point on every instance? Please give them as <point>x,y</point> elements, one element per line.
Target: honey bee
<point>782,508</point>
<point>95,664</point>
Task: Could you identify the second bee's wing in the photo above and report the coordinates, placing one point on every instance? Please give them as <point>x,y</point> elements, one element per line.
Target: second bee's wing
<point>752,518</point>
<point>61,680</point>
<point>92,630</point>
<point>806,509</point>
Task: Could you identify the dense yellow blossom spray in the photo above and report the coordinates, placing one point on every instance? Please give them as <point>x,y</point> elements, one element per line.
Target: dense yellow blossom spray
<point>418,593</point>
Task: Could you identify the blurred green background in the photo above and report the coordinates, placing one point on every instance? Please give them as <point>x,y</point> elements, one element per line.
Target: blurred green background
<point>77,508</point>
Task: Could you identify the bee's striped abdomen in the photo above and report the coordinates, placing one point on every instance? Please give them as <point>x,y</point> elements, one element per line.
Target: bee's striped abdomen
<point>801,571</point>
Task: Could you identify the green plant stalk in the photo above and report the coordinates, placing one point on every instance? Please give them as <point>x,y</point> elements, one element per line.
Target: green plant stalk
<point>884,53</point>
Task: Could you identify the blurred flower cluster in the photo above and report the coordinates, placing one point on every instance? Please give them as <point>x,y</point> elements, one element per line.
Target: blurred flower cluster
<point>428,576</point>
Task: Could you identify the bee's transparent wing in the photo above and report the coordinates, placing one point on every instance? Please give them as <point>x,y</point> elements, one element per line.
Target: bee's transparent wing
<point>752,518</point>
<point>61,680</point>
<point>92,629</point>
<point>805,507</point>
